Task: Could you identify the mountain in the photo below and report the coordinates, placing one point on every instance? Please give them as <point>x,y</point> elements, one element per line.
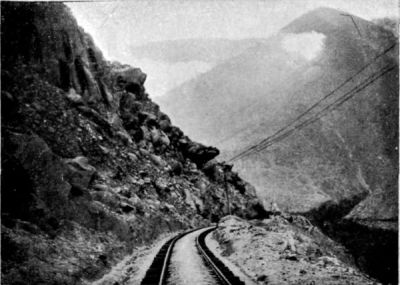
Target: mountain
<point>91,168</point>
<point>342,169</point>
<point>185,50</point>
<point>254,94</point>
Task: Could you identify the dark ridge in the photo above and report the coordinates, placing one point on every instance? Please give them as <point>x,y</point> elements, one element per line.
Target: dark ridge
<point>374,250</point>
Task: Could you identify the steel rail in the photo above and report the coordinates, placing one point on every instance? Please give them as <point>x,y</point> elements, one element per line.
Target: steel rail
<point>155,275</point>
<point>166,261</point>
<point>224,275</point>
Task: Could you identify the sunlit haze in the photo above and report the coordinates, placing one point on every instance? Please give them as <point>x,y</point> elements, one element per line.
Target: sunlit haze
<point>307,45</point>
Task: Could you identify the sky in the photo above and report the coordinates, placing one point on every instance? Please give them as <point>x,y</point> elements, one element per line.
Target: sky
<point>116,25</point>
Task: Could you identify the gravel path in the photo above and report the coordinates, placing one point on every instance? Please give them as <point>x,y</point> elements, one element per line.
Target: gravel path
<point>187,266</point>
<point>214,246</point>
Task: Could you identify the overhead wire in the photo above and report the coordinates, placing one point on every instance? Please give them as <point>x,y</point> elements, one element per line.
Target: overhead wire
<point>320,100</point>
<point>335,105</point>
<point>276,135</point>
<point>329,107</point>
<point>338,102</point>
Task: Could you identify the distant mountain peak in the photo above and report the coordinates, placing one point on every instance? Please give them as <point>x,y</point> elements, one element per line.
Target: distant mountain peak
<point>325,20</point>
<point>324,10</point>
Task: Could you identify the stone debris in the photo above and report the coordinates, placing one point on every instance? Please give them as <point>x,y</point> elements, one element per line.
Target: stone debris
<point>276,251</point>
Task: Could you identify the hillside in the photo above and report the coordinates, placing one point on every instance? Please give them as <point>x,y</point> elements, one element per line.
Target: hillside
<point>345,164</point>
<point>91,168</point>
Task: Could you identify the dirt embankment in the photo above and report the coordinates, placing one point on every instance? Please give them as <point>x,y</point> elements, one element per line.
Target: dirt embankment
<point>285,251</point>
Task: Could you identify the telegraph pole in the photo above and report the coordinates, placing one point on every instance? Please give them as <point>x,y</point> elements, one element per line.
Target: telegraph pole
<point>227,194</point>
<point>226,169</point>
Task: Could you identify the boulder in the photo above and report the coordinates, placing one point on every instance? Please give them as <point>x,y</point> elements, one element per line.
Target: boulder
<point>164,140</point>
<point>79,172</point>
<point>132,156</point>
<point>250,190</point>
<point>128,103</point>
<point>107,198</point>
<point>213,170</point>
<point>192,168</point>
<point>126,192</point>
<point>155,135</point>
<point>131,75</point>
<point>159,138</point>
<point>125,137</point>
<point>144,152</point>
<point>100,187</point>
<point>104,149</point>
<point>146,133</point>
<point>80,162</point>
<point>197,152</point>
<point>130,79</point>
<point>126,208</point>
<point>96,118</point>
<point>148,119</point>
<point>129,109</point>
<point>175,134</point>
<point>193,201</point>
<point>114,120</point>
<point>165,125</point>
<point>74,97</point>
<point>255,210</point>
<point>176,167</point>
<point>161,184</point>
<point>157,160</point>
<point>201,184</point>
<point>328,261</point>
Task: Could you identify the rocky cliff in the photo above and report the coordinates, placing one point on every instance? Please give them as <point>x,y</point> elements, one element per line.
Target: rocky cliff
<point>91,167</point>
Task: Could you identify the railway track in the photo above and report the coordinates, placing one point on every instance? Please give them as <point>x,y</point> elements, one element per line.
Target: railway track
<point>158,272</point>
<point>219,269</point>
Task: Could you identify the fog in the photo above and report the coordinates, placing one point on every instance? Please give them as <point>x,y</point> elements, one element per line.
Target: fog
<point>306,45</point>
<point>164,76</point>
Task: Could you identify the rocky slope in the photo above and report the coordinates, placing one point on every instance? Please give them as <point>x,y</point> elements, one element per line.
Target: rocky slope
<point>283,251</point>
<point>343,168</point>
<point>91,167</point>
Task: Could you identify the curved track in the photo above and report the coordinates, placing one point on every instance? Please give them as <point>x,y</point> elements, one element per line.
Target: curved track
<point>157,274</point>
<point>222,273</point>
<point>158,271</point>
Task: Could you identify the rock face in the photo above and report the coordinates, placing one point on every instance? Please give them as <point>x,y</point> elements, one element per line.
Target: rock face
<point>91,167</point>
